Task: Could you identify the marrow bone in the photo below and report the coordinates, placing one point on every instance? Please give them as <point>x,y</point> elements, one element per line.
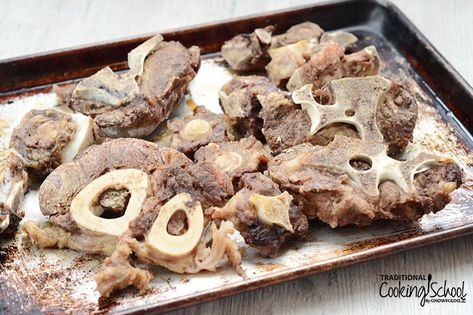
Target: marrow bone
<point>175,246</point>
<point>86,214</point>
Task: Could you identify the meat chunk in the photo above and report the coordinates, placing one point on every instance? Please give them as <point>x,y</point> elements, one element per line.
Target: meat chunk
<point>13,183</point>
<point>203,181</point>
<point>40,139</point>
<point>354,182</point>
<point>396,117</point>
<point>48,138</point>
<point>248,52</point>
<point>331,63</point>
<point>285,124</point>
<point>298,32</point>
<point>178,174</point>
<point>286,60</point>
<point>265,217</point>
<point>213,245</point>
<point>320,69</point>
<point>64,183</point>
<point>133,104</point>
<point>235,158</point>
<point>199,129</point>
<point>238,99</point>
<point>362,63</point>
<point>118,273</point>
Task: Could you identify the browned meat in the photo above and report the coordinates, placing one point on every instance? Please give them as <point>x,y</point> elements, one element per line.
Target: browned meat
<point>210,247</point>
<point>203,181</point>
<point>13,185</point>
<point>247,52</point>
<point>118,273</point>
<point>40,139</point>
<point>235,158</point>
<point>396,117</point>
<point>331,187</point>
<point>199,129</point>
<point>167,71</point>
<point>238,99</point>
<point>65,182</point>
<point>298,32</point>
<point>287,59</point>
<point>324,66</point>
<point>265,223</point>
<point>285,124</point>
<point>361,63</point>
<point>331,63</point>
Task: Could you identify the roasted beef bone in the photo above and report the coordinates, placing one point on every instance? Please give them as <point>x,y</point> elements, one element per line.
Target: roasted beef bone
<point>265,217</point>
<point>353,181</point>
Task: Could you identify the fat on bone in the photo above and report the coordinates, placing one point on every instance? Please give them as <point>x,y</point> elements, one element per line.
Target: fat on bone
<point>341,38</point>
<point>356,100</point>
<point>342,150</point>
<point>329,63</point>
<point>273,209</point>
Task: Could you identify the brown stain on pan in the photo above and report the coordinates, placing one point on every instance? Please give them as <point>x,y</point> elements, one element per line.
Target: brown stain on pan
<point>44,287</point>
<point>268,267</point>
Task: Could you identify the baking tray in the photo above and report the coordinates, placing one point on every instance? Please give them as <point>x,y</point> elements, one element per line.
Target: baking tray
<point>58,281</point>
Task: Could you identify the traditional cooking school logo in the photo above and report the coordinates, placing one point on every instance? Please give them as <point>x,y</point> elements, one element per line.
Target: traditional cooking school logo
<point>422,287</point>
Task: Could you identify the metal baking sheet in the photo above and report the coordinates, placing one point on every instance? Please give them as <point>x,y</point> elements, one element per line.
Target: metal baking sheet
<point>57,281</point>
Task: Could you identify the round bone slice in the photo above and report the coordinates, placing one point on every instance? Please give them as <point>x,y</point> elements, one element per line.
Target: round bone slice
<point>134,180</point>
<point>176,246</point>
